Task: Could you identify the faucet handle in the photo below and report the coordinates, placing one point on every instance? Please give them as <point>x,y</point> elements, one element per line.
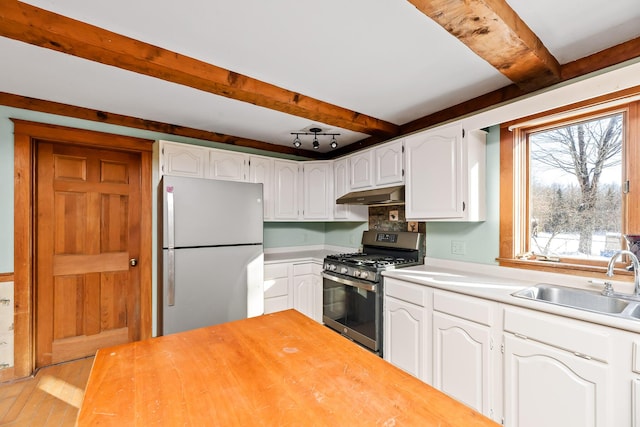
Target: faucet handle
<point>608,289</point>
<point>608,286</point>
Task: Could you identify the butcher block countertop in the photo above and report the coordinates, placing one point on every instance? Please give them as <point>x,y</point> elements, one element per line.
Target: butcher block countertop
<point>281,369</point>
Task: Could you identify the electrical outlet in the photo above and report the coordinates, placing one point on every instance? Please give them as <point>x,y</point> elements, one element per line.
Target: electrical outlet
<point>458,247</point>
<point>393,215</point>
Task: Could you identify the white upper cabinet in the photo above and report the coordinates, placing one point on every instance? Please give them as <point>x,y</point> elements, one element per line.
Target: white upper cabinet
<point>317,194</point>
<point>361,175</point>
<point>261,171</point>
<point>227,165</point>
<point>389,164</point>
<point>340,188</point>
<point>183,159</point>
<point>446,175</point>
<point>377,167</point>
<point>285,177</point>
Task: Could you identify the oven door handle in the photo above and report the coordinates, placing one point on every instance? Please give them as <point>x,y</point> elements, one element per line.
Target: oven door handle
<point>350,282</point>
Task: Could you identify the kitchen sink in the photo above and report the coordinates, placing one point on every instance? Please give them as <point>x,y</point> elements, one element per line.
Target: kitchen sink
<point>582,300</point>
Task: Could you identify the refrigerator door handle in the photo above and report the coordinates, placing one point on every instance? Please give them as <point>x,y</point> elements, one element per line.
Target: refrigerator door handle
<point>171,260</point>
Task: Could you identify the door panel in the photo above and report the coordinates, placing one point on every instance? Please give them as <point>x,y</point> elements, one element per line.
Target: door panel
<point>87,224</point>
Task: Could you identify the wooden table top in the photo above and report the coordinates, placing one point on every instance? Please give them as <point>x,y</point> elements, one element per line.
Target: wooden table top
<point>281,369</point>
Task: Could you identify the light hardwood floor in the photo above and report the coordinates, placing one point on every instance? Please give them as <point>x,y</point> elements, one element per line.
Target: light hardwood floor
<point>51,398</point>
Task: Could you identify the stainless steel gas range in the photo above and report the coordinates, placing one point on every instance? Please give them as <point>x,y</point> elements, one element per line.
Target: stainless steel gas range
<point>353,286</point>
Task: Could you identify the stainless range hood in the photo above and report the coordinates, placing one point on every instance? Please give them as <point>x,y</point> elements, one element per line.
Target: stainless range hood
<point>378,196</point>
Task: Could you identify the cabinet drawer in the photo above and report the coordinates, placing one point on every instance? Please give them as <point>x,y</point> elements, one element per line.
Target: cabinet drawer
<point>276,287</point>
<point>272,305</point>
<point>274,271</point>
<point>409,292</point>
<point>568,334</point>
<point>474,309</point>
<point>300,269</point>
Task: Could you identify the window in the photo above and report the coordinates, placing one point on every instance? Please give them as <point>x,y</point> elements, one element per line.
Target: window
<point>575,183</point>
<point>568,195</point>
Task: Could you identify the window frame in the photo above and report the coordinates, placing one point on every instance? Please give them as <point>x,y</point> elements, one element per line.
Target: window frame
<point>514,179</point>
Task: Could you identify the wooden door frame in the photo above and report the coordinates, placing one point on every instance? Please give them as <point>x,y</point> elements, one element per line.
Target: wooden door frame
<point>26,135</point>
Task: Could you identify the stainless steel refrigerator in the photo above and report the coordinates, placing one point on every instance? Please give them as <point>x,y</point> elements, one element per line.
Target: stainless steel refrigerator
<point>211,269</point>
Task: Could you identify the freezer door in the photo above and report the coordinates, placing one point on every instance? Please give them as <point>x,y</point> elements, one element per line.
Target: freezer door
<point>210,212</point>
<point>212,286</point>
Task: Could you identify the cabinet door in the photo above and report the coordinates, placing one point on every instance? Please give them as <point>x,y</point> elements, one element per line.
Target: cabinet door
<point>183,159</point>
<point>286,189</point>
<point>434,167</point>
<point>340,187</point>
<point>227,165</point>
<point>635,405</point>
<point>462,361</point>
<point>548,387</point>
<point>304,295</point>
<point>405,338</point>
<point>261,171</point>
<point>361,166</point>
<point>317,190</point>
<point>389,164</point>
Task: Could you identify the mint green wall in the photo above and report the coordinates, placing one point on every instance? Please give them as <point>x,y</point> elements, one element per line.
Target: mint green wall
<point>481,239</point>
<point>6,162</point>
<point>288,234</point>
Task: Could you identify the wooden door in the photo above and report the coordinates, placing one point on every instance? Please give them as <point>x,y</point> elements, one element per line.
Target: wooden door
<point>88,220</point>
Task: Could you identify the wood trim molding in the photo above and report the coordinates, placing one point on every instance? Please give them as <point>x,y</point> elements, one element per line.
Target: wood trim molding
<point>66,110</point>
<point>510,161</point>
<point>6,277</point>
<point>26,135</point>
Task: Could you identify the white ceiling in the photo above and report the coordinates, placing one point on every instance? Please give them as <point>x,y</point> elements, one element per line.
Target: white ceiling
<point>380,58</point>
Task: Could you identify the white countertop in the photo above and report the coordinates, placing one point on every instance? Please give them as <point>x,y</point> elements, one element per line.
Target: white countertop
<point>303,254</point>
<point>498,283</point>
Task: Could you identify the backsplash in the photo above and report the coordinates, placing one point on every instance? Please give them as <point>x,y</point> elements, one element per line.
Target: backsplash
<point>392,218</point>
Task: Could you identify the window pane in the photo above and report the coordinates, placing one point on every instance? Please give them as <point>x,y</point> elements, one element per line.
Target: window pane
<point>575,191</point>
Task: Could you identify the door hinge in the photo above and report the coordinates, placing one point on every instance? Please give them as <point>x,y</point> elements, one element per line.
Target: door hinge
<point>403,172</point>
<point>403,148</point>
<point>464,206</point>
<point>502,348</point>
<point>625,189</point>
<point>463,133</point>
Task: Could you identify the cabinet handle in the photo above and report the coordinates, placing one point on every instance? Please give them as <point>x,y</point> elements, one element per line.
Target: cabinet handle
<point>582,355</point>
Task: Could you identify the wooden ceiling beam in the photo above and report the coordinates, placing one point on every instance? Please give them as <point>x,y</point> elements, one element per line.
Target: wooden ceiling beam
<point>33,104</point>
<point>495,32</point>
<point>29,24</point>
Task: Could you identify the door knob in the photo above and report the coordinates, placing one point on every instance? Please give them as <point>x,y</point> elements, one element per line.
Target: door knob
<point>133,262</point>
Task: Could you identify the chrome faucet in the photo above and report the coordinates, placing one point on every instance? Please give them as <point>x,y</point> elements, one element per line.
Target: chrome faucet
<point>636,267</point>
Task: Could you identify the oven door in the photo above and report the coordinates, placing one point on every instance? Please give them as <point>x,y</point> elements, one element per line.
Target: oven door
<point>353,308</point>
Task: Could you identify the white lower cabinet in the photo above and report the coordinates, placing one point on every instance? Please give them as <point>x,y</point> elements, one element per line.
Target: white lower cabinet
<point>635,402</point>
<point>545,386</point>
<point>407,328</point>
<point>465,357</point>
<point>462,361</point>
<point>307,290</point>
<point>277,292</point>
<point>519,367</point>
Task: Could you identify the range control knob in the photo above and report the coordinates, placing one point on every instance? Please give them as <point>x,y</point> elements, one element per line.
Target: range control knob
<point>331,267</point>
<point>357,273</point>
<point>364,274</point>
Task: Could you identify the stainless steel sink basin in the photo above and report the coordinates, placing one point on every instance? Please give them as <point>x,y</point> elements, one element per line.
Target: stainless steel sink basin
<point>582,300</point>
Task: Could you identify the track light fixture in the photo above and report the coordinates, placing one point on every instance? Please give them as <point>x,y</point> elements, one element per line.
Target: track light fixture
<point>315,132</point>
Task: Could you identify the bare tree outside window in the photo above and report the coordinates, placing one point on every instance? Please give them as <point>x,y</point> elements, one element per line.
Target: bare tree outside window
<point>575,192</point>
